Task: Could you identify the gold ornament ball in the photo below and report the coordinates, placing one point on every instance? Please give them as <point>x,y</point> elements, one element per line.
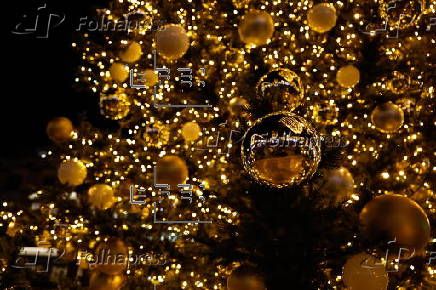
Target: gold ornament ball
<point>387,117</point>
<point>172,41</point>
<point>392,216</point>
<point>171,170</point>
<point>237,106</point>
<point>119,72</point>
<point>101,281</point>
<point>111,256</point>
<point>363,272</point>
<point>191,131</point>
<point>256,27</point>
<point>348,76</point>
<point>60,129</point>
<point>246,278</point>
<point>151,77</point>
<point>279,89</point>
<point>132,53</point>
<point>114,106</point>
<point>281,150</point>
<point>338,184</point>
<point>101,196</point>
<point>72,172</point>
<point>322,17</point>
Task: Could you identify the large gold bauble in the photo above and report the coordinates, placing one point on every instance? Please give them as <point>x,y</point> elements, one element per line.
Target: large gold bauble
<point>72,172</point>
<point>246,278</point>
<point>392,217</point>
<point>322,17</point>
<point>111,257</point>
<point>364,272</point>
<point>348,76</point>
<point>101,281</point>
<point>132,53</point>
<point>256,27</point>
<point>114,106</point>
<point>119,72</point>
<point>279,89</point>
<point>172,41</point>
<point>281,150</point>
<point>191,131</point>
<point>387,117</point>
<point>60,129</point>
<point>171,170</point>
<point>337,184</point>
<point>101,196</point>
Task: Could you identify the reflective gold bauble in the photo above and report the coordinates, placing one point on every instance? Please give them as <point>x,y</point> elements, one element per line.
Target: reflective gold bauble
<point>101,281</point>
<point>337,184</point>
<point>392,217</point>
<point>256,27</point>
<point>101,196</point>
<point>72,172</point>
<point>246,278</point>
<point>114,106</point>
<point>151,77</point>
<point>387,117</point>
<point>171,170</point>
<point>172,41</point>
<point>60,129</point>
<point>237,106</point>
<point>322,17</point>
<point>281,150</point>
<point>364,272</point>
<point>119,72</point>
<point>401,14</point>
<point>279,89</point>
<point>111,257</point>
<point>348,76</point>
<point>190,131</point>
<point>132,53</point>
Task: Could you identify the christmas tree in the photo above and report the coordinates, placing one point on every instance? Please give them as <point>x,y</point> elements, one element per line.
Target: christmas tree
<point>247,145</point>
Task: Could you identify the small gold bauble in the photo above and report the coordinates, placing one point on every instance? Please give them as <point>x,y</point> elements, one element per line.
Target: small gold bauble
<point>392,217</point>
<point>101,281</point>
<point>132,53</point>
<point>101,196</point>
<point>114,106</point>
<point>348,76</point>
<point>279,89</point>
<point>111,256</point>
<point>171,170</point>
<point>151,77</point>
<point>119,72</point>
<point>281,150</point>
<point>157,135</point>
<point>72,172</point>
<point>363,272</point>
<point>60,129</point>
<point>322,17</point>
<point>172,41</point>
<point>387,117</point>
<point>240,3</point>
<point>237,106</point>
<point>191,131</point>
<point>338,184</point>
<point>256,27</point>
<point>247,278</point>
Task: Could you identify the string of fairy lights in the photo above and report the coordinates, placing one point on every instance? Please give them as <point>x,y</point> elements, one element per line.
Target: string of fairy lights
<point>291,38</point>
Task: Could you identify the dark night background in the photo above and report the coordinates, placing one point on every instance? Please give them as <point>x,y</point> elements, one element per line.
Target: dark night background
<point>38,87</point>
